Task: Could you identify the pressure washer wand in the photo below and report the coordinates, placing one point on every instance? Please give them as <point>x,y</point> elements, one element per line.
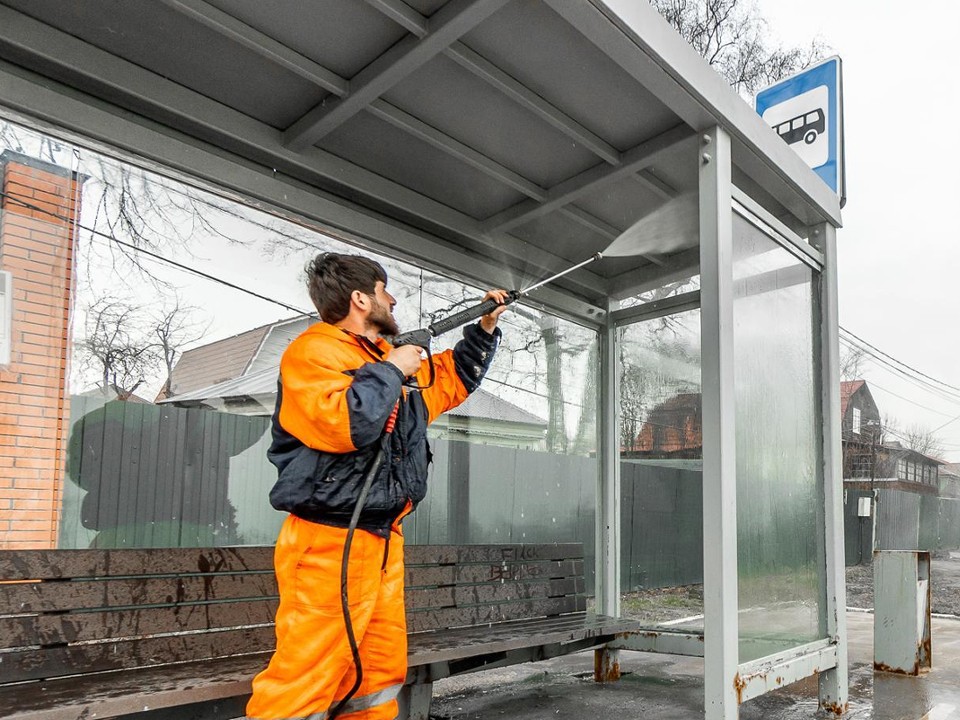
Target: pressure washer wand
<point>422,336</point>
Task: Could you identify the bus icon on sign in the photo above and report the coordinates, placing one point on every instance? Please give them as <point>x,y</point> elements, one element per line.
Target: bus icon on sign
<point>802,121</point>
<point>807,127</point>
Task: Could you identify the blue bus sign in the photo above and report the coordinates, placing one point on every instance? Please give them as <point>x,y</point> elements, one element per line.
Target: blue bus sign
<point>806,111</point>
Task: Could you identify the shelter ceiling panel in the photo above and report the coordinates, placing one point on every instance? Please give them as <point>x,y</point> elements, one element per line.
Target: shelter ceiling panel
<point>621,203</point>
<point>460,104</point>
<point>562,236</point>
<point>344,36</point>
<point>539,49</point>
<point>377,146</point>
<point>208,62</point>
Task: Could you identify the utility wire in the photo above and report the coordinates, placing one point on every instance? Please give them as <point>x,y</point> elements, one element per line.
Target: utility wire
<point>155,256</point>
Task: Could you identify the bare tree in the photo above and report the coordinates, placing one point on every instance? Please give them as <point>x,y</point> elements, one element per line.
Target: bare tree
<point>126,345</point>
<point>734,38</point>
<point>174,327</point>
<point>116,347</point>
<point>921,439</point>
<point>852,361</point>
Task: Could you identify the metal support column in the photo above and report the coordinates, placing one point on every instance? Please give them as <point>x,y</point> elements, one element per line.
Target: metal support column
<point>607,661</point>
<point>833,682</point>
<point>720,602</point>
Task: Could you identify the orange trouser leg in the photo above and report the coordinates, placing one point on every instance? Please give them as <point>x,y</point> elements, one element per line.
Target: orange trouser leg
<point>313,664</point>
<point>383,650</point>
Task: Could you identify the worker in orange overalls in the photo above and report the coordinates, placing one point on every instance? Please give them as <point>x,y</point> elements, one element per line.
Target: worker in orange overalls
<point>340,382</point>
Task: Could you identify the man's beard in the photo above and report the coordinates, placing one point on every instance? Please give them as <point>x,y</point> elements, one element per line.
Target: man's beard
<point>382,319</point>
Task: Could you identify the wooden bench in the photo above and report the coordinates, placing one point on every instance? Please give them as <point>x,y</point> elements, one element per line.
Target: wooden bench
<point>179,633</point>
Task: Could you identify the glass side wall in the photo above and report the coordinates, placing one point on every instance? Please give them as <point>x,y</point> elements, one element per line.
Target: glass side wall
<point>154,432</point>
<point>661,472</point>
<point>779,470</point>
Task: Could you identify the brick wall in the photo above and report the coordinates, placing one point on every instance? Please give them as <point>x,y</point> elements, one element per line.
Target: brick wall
<point>37,248</point>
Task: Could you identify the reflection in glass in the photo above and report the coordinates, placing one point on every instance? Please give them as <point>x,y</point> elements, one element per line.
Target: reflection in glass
<point>661,472</point>
<point>184,302</point>
<point>779,478</point>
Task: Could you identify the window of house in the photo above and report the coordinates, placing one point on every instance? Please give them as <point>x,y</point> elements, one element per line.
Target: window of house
<point>901,469</point>
<point>856,421</point>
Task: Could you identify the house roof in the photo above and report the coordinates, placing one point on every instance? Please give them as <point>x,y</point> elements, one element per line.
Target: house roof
<point>224,360</point>
<point>486,405</point>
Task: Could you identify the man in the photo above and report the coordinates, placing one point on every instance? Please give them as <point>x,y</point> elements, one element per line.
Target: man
<point>340,382</point>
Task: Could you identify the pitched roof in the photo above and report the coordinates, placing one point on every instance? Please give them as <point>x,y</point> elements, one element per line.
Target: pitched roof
<point>233,357</point>
<point>848,389</point>
<point>486,405</point>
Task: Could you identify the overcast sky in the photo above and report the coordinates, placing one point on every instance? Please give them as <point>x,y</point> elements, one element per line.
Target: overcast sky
<point>899,249</point>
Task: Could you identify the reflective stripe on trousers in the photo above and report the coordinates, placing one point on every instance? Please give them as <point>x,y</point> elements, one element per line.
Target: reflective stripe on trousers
<point>356,704</point>
<point>313,666</point>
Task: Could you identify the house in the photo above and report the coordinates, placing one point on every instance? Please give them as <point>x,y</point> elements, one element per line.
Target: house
<point>949,479</point>
<point>871,457</point>
<point>860,429</point>
<point>239,374</point>
<point>674,430</point>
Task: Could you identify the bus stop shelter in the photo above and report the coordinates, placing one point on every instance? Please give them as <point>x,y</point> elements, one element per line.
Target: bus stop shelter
<point>492,140</point>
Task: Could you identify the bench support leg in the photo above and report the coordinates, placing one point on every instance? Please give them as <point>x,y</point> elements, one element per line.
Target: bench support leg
<point>415,701</point>
<point>606,665</point>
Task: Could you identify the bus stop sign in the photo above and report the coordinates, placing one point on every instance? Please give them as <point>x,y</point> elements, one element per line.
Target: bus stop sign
<point>806,110</point>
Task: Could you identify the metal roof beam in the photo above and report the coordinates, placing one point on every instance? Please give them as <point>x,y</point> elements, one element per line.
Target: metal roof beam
<point>451,21</point>
<point>470,60</point>
<point>265,46</point>
<point>681,266</point>
<point>429,134</point>
<point>402,14</point>
<point>632,161</point>
<point>650,181</point>
<point>527,98</point>
<point>104,76</point>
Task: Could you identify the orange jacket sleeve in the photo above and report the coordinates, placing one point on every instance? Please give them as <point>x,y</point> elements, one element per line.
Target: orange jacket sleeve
<point>459,371</point>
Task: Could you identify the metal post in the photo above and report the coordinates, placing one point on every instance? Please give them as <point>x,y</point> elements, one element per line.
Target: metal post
<point>833,682</point>
<point>607,661</point>
<point>720,602</point>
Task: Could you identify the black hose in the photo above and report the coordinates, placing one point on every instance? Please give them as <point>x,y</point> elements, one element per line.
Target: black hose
<point>344,565</point>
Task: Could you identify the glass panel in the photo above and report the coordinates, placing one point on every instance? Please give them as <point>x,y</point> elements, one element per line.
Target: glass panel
<point>661,472</point>
<point>779,477</point>
<point>154,432</point>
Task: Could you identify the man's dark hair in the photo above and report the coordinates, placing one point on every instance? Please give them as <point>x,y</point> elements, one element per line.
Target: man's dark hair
<point>332,278</point>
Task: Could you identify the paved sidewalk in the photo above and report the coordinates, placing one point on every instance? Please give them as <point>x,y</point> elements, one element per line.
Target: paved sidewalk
<point>665,687</point>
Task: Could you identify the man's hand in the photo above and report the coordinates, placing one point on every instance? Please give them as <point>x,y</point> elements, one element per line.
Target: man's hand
<point>406,358</point>
<point>489,322</point>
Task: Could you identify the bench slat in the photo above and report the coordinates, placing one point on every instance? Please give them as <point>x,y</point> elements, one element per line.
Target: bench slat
<point>132,622</point>
<point>96,657</point>
<point>482,614</point>
<point>110,694</point>
<point>48,596</point>
<point>447,645</point>
<point>59,564</point>
<point>452,574</point>
<point>516,553</point>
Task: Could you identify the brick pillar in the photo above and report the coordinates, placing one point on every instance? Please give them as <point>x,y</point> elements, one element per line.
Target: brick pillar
<point>37,248</point>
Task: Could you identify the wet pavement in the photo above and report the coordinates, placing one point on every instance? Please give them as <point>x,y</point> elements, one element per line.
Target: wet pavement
<point>664,687</point>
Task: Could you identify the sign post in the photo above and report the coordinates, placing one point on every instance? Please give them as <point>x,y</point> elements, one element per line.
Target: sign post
<point>806,111</point>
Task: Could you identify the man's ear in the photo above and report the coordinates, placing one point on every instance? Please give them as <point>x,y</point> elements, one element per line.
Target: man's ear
<point>360,299</point>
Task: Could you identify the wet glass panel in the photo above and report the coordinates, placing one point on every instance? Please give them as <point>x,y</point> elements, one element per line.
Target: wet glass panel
<point>661,472</point>
<point>154,433</point>
<point>780,534</point>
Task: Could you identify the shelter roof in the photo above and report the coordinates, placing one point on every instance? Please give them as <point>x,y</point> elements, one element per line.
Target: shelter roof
<point>495,140</point>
